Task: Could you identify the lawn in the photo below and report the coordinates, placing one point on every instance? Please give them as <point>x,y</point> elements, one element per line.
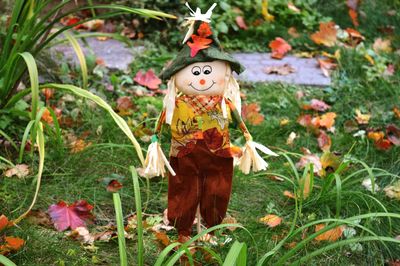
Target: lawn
<point>338,172</point>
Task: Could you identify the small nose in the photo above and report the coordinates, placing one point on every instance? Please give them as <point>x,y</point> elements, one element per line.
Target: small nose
<point>202,82</point>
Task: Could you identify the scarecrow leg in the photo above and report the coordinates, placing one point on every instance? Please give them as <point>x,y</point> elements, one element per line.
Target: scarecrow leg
<point>198,215</point>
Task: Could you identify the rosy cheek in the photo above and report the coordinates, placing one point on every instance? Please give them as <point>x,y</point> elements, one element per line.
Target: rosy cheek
<point>221,82</point>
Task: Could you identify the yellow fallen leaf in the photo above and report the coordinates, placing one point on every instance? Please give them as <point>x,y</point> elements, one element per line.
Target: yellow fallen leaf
<point>284,122</point>
<point>271,220</point>
<point>376,135</point>
<point>267,16</point>
<point>331,235</point>
<point>362,119</point>
<point>327,120</point>
<point>370,59</point>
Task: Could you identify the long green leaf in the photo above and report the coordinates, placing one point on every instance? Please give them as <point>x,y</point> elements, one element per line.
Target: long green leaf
<point>120,228</point>
<point>119,120</point>
<point>34,77</point>
<point>81,57</point>
<point>4,260</point>
<point>40,142</point>
<point>237,255</point>
<point>138,204</point>
<point>24,139</point>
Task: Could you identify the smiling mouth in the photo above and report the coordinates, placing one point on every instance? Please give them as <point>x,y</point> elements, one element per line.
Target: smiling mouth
<point>191,85</point>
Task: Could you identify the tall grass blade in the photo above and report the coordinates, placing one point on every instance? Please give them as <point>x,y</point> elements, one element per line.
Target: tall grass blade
<point>24,139</point>
<point>119,120</point>
<point>4,260</point>
<point>40,142</point>
<point>9,139</point>
<point>138,203</point>
<point>237,255</point>
<point>81,57</point>
<point>7,161</point>
<point>120,228</point>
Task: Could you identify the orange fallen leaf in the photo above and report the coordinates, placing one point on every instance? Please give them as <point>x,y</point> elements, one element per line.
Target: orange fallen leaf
<point>354,17</point>
<point>162,238</point>
<point>326,34</point>
<point>327,120</point>
<point>251,114</point>
<point>331,235</point>
<point>279,48</point>
<point>271,220</point>
<point>79,145</point>
<point>383,144</point>
<point>3,222</point>
<point>327,65</point>
<point>11,244</point>
<point>362,119</point>
<point>376,135</point>
<point>396,112</point>
<point>355,37</point>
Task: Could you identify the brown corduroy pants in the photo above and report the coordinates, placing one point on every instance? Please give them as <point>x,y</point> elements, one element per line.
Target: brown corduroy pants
<point>201,178</point>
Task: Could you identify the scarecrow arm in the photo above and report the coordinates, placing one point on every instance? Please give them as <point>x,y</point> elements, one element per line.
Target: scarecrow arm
<point>239,120</point>
<point>250,158</point>
<point>160,122</point>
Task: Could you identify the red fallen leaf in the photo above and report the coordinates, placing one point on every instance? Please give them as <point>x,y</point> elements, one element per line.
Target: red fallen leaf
<point>199,43</point>
<point>305,120</point>
<point>251,114</point>
<point>383,144</point>
<point>11,244</point>
<point>114,186</point>
<point>241,23</point>
<point>326,34</point>
<point>324,141</point>
<point>393,134</point>
<point>148,79</point>
<point>66,216</point>
<point>319,105</point>
<point>279,48</point>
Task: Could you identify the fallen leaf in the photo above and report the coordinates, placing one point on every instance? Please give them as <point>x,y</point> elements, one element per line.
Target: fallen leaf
<point>251,114</point>
<point>389,71</point>
<point>11,244</point>
<point>48,94</point>
<point>329,162</point>
<point>376,135</point>
<point>93,25</point>
<point>276,178</point>
<point>306,184</point>
<point>294,8</point>
<point>40,217</point>
<point>324,141</point>
<point>393,191</point>
<point>393,134</point>
<point>331,235</point>
<point>292,31</point>
<point>148,79</point>
<point>326,34</point>
<point>279,48</point>
<point>162,238</point>
<point>310,158</point>
<point>114,186</point>
<point>327,66</point>
<point>354,17</point>
<point>73,216</point>
<point>230,220</point>
<point>284,122</point>
<point>381,45</point>
<point>291,138</point>
<point>367,183</point>
<point>383,144</point>
<point>241,23</point>
<point>396,112</point>
<point>271,220</point>
<point>355,37</point>
<point>20,170</point>
<point>290,245</point>
<point>370,59</point>
<point>327,120</point>
<point>3,222</point>
<point>79,145</point>
<point>48,118</point>
<point>362,119</point>
<point>283,70</point>
<point>350,126</point>
<point>81,234</point>
<point>319,105</point>
<point>289,194</point>
<point>124,104</point>
<point>305,120</point>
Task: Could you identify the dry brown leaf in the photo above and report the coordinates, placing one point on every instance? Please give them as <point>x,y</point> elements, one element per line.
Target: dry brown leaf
<point>79,145</point>
<point>326,34</point>
<point>271,220</point>
<point>230,220</point>
<point>276,178</point>
<point>289,194</point>
<point>20,170</point>
<point>331,235</point>
<point>327,65</point>
<point>393,191</point>
<point>305,183</point>
<point>283,70</point>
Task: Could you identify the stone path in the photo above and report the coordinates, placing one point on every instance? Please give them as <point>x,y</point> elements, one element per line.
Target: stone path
<point>307,72</point>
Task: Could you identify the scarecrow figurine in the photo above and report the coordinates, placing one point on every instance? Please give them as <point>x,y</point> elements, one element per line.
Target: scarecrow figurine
<point>202,99</point>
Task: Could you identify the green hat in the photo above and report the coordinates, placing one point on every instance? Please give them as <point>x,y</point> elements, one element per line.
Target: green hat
<point>202,46</point>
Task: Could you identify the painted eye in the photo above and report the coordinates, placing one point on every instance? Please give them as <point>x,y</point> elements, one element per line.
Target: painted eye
<point>207,69</point>
<point>196,70</point>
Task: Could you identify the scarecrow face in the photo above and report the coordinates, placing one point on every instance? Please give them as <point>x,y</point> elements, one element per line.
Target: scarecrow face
<point>203,78</point>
